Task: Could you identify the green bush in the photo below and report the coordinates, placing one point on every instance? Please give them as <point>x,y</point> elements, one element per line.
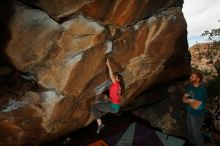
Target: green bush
<point>207,72</point>
<point>213,86</point>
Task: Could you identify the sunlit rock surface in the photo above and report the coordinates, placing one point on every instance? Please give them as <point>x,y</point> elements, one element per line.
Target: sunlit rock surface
<point>59,52</point>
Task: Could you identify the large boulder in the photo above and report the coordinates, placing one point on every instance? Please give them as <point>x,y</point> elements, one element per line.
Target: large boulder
<point>66,61</point>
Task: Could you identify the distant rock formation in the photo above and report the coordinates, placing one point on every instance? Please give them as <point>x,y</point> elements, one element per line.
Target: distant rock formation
<point>198,58</point>
<point>60,47</point>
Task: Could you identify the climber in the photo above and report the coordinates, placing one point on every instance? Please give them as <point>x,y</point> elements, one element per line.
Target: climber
<point>115,91</point>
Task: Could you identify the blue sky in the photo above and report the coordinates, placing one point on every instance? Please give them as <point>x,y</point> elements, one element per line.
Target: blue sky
<point>200,15</point>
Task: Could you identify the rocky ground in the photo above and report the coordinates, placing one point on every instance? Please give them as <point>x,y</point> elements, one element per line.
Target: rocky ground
<point>113,123</point>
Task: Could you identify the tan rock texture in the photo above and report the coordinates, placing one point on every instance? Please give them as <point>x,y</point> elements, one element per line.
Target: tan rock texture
<point>62,46</point>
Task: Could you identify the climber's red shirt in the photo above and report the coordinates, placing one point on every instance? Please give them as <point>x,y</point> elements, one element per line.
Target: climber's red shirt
<point>115,91</point>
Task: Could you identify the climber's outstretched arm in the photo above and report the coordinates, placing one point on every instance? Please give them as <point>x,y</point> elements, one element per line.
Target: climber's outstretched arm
<point>110,71</point>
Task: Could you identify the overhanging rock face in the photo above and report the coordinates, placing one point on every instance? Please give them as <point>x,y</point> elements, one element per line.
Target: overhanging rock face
<point>118,12</point>
<point>64,46</point>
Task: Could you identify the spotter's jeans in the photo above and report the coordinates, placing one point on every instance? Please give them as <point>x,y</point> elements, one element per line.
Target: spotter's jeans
<point>194,124</point>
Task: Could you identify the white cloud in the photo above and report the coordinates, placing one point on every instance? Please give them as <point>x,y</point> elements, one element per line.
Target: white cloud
<point>201,15</point>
